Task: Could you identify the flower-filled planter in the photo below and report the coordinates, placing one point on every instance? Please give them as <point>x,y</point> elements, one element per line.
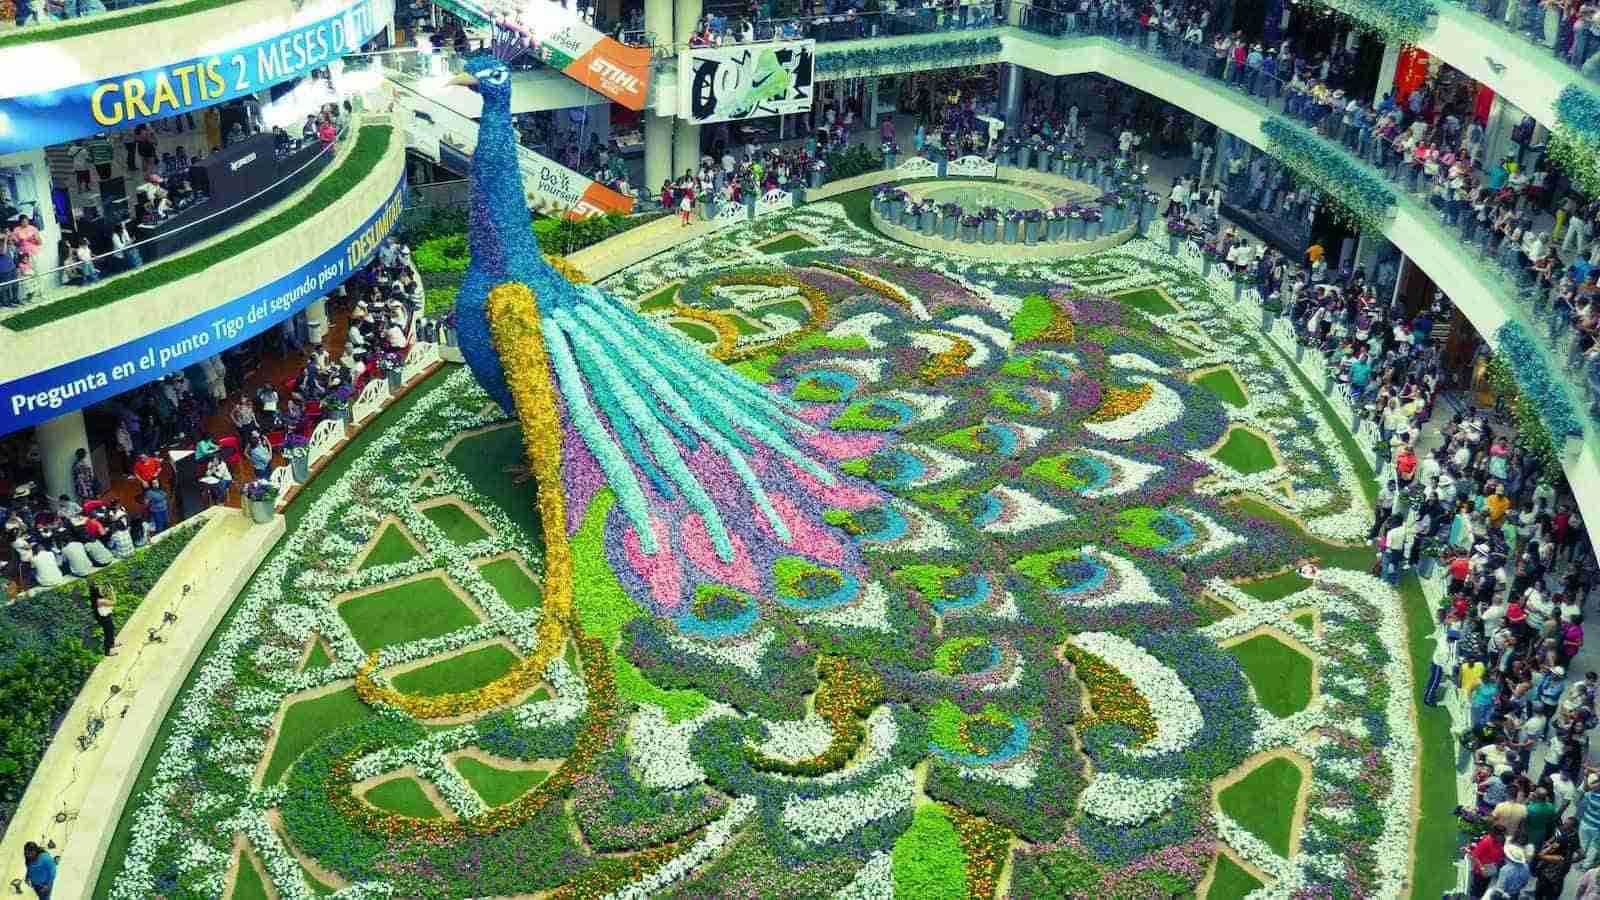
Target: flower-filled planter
<point>969,229</point>
<point>260,501</point>
<point>1013,221</point>
<point>1091,227</point>
<point>1032,225</point>
<point>297,450</point>
<point>1269,315</point>
<point>1045,157</point>
<point>991,225</point>
<point>1077,227</point>
<point>1024,154</point>
<point>929,218</point>
<point>891,154</point>
<point>950,219</point>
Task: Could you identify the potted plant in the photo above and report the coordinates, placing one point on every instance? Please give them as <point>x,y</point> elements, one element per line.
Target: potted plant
<point>1058,165</point>
<point>894,202</point>
<point>1013,225</point>
<point>1209,257</point>
<point>1024,154</point>
<point>1076,225</point>
<point>928,216</point>
<point>1007,153</point>
<point>1046,157</point>
<point>1175,232</point>
<point>1031,226</point>
<point>991,224</point>
<point>338,405</point>
<point>297,450</point>
<point>819,172</point>
<point>891,153</point>
<point>1430,558</point>
<point>1055,223</point>
<point>951,219</point>
<point>1152,202</point>
<point>260,500</point>
<point>1092,221</point>
<point>969,229</point>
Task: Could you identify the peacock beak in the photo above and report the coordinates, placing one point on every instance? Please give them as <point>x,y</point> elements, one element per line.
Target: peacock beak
<point>464,80</point>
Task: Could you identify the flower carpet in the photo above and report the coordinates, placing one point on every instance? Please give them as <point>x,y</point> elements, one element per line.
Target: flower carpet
<point>984,641</point>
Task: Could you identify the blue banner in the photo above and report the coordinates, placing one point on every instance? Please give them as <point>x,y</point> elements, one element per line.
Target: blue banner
<point>45,395</point>
<point>190,85</point>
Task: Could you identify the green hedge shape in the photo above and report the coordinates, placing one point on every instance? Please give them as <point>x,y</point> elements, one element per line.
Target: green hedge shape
<point>928,862</point>
<point>45,660</point>
<point>1396,21</point>
<point>1575,141</point>
<point>372,142</point>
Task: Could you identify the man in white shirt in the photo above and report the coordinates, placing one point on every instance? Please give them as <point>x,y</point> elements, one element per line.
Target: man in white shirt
<point>1125,142</point>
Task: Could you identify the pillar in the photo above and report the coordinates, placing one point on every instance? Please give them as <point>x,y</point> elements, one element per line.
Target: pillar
<point>657,151</point>
<point>1011,97</point>
<point>59,441</point>
<point>317,320</point>
<point>685,147</point>
<point>1386,70</point>
<point>658,21</point>
<point>687,16</point>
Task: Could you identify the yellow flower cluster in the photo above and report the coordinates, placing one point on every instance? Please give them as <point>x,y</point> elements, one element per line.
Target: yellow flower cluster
<point>1060,330</point>
<point>845,693</point>
<point>503,690</point>
<point>1112,694</point>
<point>1119,402</point>
<point>816,300</point>
<point>876,285</point>
<point>727,332</point>
<point>566,269</point>
<point>948,363</point>
<point>985,846</point>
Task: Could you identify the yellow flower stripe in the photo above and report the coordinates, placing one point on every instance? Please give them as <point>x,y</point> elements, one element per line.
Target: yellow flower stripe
<point>949,362</point>
<point>1112,694</point>
<point>725,350</point>
<point>514,322</point>
<point>566,269</point>
<point>1119,402</point>
<point>877,285</point>
<point>727,332</point>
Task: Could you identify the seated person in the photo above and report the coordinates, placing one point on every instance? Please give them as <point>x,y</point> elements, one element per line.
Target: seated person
<point>46,568</point>
<point>99,553</point>
<point>76,557</point>
<point>120,542</point>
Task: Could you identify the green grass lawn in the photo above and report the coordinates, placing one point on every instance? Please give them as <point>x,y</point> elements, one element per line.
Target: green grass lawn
<point>1231,882</point>
<point>787,244</point>
<point>1263,802</point>
<point>483,458</point>
<point>497,787</point>
<point>1148,300</point>
<point>1275,588</point>
<point>403,796</point>
<point>405,612</point>
<point>791,309</point>
<point>744,325</point>
<point>696,331</point>
<point>319,658</point>
<point>457,525</point>
<point>308,721</point>
<point>392,547</point>
<point>666,298</point>
<point>248,884</point>
<point>1281,674</point>
<point>294,513</point>
<point>1222,383</point>
<point>463,672</point>
<point>512,584</point>
<point>1245,452</point>
<point>1306,621</point>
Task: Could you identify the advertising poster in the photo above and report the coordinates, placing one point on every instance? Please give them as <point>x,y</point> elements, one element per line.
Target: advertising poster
<point>724,84</point>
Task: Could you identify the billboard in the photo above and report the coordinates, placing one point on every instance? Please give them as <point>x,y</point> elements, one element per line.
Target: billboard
<point>722,84</point>
<point>189,85</point>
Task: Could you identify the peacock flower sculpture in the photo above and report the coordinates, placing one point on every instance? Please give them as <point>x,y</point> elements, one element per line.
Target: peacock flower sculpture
<point>688,448</point>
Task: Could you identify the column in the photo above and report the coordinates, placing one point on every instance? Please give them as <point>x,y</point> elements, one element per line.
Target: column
<point>685,147</point>
<point>317,320</point>
<point>687,16</point>
<point>658,21</point>
<point>657,151</point>
<point>59,441</point>
<point>1011,97</point>
<point>1386,70</point>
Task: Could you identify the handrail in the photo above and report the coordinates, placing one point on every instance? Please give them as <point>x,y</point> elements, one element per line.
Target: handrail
<point>321,154</point>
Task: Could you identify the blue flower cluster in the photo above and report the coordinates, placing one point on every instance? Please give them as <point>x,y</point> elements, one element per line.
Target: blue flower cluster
<point>1541,387</point>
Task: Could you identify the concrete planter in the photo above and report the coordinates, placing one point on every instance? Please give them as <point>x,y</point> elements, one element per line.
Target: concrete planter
<point>969,234</point>
<point>1030,231</point>
<point>1011,231</point>
<point>1076,234</point>
<point>260,511</point>
<point>1055,228</point>
<point>1024,154</point>
<point>951,223</point>
<point>989,229</point>
<point>929,221</point>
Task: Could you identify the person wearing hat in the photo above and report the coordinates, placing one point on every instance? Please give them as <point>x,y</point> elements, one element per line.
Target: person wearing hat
<point>1514,875</point>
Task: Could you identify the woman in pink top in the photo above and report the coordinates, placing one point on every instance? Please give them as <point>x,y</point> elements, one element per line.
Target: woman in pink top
<point>28,241</point>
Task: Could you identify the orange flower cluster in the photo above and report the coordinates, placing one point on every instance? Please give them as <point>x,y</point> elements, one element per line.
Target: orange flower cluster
<point>985,846</point>
<point>1112,695</point>
<point>1060,329</point>
<point>950,363</point>
<point>615,873</point>
<point>845,694</point>
<point>1119,402</point>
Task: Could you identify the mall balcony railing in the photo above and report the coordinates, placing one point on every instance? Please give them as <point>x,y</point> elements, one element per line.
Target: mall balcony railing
<point>1575,43</point>
<point>73,18</point>
<point>1521,298</point>
<point>184,227</point>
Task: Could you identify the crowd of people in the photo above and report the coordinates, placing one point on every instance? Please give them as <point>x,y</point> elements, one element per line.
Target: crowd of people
<point>52,540</point>
<point>1570,29</point>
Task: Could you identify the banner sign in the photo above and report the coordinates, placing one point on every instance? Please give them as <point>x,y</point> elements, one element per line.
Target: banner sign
<point>190,85</point>
<point>570,46</point>
<point>721,84</point>
<point>972,167</point>
<point>45,395</point>
<point>918,167</point>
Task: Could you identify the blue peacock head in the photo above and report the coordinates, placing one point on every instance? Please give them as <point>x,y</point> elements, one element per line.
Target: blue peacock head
<point>489,76</point>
